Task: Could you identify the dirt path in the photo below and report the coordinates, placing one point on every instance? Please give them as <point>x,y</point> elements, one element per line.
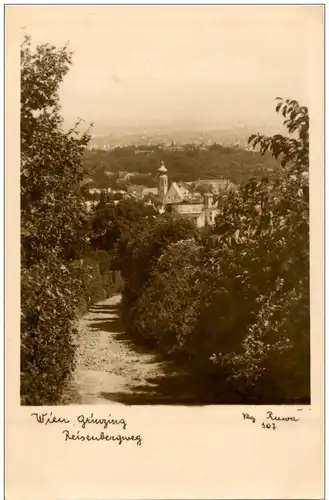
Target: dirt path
<point>111,369</point>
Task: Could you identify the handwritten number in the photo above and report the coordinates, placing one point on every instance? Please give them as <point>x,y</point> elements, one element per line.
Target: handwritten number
<point>268,426</point>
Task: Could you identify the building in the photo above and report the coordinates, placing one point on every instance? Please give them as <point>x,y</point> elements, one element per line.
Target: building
<point>216,186</point>
<point>182,199</point>
<point>150,191</point>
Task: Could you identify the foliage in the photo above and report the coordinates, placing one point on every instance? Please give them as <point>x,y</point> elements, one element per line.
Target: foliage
<point>204,188</point>
<point>52,208</point>
<point>110,221</point>
<point>47,335</point>
<point>191,164</point>
<point>165,312</point>
<point>234,304</point>
<point>288,149</point>
<point>268,224</point>
<point>53,217</point>
<point>139,252</point>
<point>96,278</point>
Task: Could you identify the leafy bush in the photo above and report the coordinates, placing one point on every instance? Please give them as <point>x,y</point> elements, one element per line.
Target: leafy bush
<point>111,222</point>
<point>139,253</point>
<point>267,223</point>
<point>47,333</point>
<point>53,217</point>
<point>276,249</point>
<point>105,263</point>
<point>96,277</point>
<point>165,311</point>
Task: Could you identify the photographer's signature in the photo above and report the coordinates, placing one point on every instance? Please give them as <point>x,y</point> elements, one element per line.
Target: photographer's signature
<point>270,420</point>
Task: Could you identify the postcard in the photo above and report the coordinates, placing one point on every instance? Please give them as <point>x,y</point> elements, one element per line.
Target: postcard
<point>164,251</point>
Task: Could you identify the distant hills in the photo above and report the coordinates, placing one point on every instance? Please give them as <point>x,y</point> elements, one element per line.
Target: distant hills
<point>166,134</point>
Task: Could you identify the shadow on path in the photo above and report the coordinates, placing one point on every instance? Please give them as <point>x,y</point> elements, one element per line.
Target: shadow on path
<point>105,308</point>
<point>111,325</point>
<point>132,374</point>
<point>165,389</point>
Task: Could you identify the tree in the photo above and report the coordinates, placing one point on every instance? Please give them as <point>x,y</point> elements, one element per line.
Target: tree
<point>204,188</point>
<point>111,222</point>
<point>139,253</point>
<point>52,205</point>
<point>191,164</point>
<point>53,217</point>
<point>288,149</point>
<point>267,225</point>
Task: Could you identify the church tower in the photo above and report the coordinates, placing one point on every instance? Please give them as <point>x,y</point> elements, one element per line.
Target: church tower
<point>163,181</point>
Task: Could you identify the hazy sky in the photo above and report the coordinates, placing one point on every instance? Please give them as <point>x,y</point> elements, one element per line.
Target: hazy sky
<point>213,65</point>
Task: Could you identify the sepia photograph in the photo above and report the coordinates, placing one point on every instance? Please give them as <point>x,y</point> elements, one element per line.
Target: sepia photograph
<point>164,204</point>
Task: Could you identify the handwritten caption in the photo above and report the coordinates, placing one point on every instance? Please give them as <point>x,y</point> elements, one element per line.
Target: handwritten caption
<point>270,420</point>
<point>89,428</point>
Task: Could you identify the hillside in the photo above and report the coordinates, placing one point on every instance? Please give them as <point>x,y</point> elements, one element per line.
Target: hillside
<point>186,163</point>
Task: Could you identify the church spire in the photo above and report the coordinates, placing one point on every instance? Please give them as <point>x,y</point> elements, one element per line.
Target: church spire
<point>163,180</point>
<point>162,169</point>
